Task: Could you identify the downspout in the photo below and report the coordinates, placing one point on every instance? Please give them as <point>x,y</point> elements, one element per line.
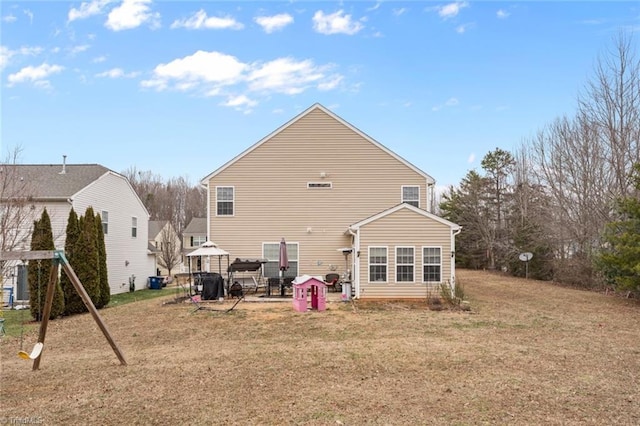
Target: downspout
<point>355,260</point>
<point>453,259</point>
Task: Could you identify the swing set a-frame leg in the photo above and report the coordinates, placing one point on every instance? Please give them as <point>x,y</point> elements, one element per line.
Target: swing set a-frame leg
<point>60,259</point>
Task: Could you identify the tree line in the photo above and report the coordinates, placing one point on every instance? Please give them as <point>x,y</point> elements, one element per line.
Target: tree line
<point>568,194</point>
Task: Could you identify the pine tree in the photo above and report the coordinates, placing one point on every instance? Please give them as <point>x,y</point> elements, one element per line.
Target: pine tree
<point>39,270</point>
<point>620,260</point>
<point>105,290</point>
<point>73,303</point>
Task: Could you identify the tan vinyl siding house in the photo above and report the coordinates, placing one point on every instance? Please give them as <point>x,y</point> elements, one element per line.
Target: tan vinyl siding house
<point>308,182</point>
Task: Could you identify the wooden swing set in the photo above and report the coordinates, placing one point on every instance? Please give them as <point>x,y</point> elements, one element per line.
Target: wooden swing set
<point>59,259</point>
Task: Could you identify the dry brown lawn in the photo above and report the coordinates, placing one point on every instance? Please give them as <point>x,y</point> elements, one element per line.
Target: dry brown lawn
<point>527,353</point>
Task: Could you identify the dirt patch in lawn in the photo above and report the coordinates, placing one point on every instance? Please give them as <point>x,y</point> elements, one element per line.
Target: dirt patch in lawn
<point>527,353</point>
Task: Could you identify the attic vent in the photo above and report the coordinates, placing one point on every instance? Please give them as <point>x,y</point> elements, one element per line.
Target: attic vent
<point>313,185</point>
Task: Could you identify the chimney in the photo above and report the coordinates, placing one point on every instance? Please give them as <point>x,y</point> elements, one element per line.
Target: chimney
<point>64,165</point>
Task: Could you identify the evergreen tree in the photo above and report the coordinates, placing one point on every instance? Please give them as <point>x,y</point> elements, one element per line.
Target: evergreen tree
<point>39,270</point>
<point>620,259</point>
<point>105,290</point>
<point>73,303</point>
<point>87,262</point>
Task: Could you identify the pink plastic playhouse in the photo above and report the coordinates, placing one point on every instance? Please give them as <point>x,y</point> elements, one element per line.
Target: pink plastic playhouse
<point>306,286</point>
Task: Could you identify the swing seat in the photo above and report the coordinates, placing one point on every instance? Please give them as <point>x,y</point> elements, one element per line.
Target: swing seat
<point>35,353</point>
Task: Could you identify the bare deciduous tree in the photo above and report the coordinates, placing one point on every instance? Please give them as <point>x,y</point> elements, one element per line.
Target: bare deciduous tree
<point>170,254</point>
<point>16,208</point>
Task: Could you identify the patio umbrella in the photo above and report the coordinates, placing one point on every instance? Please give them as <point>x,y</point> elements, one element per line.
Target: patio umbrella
<point>283,263</point>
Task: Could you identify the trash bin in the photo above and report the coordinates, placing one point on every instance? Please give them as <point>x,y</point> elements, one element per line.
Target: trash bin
<point>155,283</point>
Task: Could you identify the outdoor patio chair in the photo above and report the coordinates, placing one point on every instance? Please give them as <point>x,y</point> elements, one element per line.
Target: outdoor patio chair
<point>332,281</point>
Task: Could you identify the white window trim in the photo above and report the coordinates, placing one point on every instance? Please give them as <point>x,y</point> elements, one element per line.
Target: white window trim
<point>134,219</point>
<point>386,280</point>
<point>296,260</point>
<point>233,201</point>
<point>413,279</point>
<point>432,264</point>
<point>402,200</point>
<point>104,221</point>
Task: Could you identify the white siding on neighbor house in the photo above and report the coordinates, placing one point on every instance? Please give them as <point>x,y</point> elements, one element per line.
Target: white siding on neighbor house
<point>126,256</point>
<point>272,199</point>
<point>403,228</point>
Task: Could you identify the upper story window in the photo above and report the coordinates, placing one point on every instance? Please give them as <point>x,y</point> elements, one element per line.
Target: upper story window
<point>377,264</point>
<point>134,227</point>
<point>312,185</point>
<point>198,240</point>
<point>411,195</point>
<point>104,215</point>
<point>224,200</point>
<point>404,264</point>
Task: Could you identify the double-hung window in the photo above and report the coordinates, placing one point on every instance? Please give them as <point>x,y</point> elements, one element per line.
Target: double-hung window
<point>134,227</point>
<point>431,264</point>
<point>224,200</point>
<point>198,240</point>
<point>378,264</point>
<point>104,216</point>
<point>411,195</point>
<point>405,264</point>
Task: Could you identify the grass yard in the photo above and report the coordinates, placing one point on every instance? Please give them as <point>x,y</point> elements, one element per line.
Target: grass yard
<point>527,353</point>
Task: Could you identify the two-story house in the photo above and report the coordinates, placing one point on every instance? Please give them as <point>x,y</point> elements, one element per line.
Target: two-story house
<point>193,236</point>
<point>342,201</point>
<point>165,242</point>
<point>60,187</point>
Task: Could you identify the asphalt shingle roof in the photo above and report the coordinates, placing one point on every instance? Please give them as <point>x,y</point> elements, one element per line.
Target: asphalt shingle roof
<point>198,225</point>
<point>48,181</point>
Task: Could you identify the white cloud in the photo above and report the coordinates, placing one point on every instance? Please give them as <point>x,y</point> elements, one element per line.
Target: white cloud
<point>472,158</point>
<point>117,73</point>
<point>274,23</point>
<point>29,14</point>
<point>240,103</point>
<point>502,14</point>
<point>78,49</point>
<point>200,20</point>
<point>99,59</point>
<point>9,18</point>
<point>36,75</point>
<point>398,12</point>
<point>87,9</point>
<point>218,74</point>
<point>6,54</point>
<point>451,102</point>
<point>451,10</point>
<point>131,14</point>
<point>461,29</point>
<point>375,6</point>
<point>335,23</point>
<point>202,67</point>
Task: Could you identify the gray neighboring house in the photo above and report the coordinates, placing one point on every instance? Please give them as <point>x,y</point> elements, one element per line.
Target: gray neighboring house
<point>193,236</point>
<point>60,187</point>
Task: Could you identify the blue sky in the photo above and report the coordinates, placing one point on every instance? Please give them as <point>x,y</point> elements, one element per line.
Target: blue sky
<point>180,88</point>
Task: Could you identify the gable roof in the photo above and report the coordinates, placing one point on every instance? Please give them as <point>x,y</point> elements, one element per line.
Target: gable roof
<point>398,207</point>
<point>198,225</point>
<point>48,181</point>
<point>314,107</point>
<point>155,226</point>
